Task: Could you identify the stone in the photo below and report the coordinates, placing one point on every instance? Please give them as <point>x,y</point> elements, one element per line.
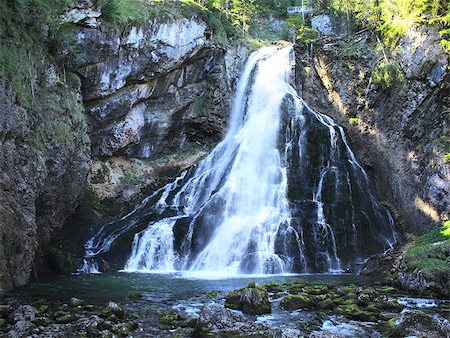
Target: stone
<point>252,300</point>
<point>363,299</point>
<point>326,304</point>
<point>21,328</point>
<point>74,302</point>
<point>5,310</point>
<point>112,309</point>
<point>65,319</point>
<point>218,320</point>
<point>419,324</point>
<point>296,302</point>
<point>23,313</point>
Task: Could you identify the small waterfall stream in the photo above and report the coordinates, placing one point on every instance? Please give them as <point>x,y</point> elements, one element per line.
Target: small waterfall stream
<point>283,192</point>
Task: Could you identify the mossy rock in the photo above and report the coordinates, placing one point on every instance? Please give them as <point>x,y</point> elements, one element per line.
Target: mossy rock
<point>326,304</point>
<point>272,287</point>
<point>296,302</point>
<point>252,300</point>
<point>316,289</point>
<point>363,299</point>
<point>59,261</point>
<point>65,319</point>
<point>168,318</point>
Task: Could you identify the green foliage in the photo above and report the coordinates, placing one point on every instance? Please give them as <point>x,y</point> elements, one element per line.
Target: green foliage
<point>130,178</point>
<point>353,121</point>
<point>447,158</point>
<point>431,254</point>
<point>392,18</point>
<point>306,35</point>
<point>387,74</point>
<point>24,29</point>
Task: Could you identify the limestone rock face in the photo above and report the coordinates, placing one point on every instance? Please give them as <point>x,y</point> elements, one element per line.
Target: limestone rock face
<point>135,92</point>
<point>45,159</point>
<point>149,90</point>
<point>400,132</point>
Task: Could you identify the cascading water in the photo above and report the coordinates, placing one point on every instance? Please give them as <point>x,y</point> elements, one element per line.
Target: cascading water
<point>283,192</point>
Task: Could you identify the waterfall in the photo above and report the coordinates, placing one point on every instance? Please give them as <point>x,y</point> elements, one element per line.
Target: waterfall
<point>283,192</point>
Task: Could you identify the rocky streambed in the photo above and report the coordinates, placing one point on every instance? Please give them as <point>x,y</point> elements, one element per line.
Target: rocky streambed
<point>174,305</point>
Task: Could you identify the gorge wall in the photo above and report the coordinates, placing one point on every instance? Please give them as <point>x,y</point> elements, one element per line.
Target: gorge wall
<point>399,124</point>
<point>117,108</point>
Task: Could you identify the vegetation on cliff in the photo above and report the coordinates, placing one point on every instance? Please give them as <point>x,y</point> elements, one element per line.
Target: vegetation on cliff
<point>430,258</point>
<point>393,18</point>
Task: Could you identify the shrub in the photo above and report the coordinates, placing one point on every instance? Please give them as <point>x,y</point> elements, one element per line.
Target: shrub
<point>387,74</point>
<point>353,121</point>
<point>447,158</point>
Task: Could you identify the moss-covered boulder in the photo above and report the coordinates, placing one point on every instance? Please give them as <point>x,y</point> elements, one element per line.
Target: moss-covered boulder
<point>296,302</point>
<point>252,300</point>
<point>417,323</point>
<point>425,267</point>
<point>59,261</point>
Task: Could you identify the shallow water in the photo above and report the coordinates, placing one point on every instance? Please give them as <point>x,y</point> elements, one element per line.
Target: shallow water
<point>150,295</point>
<point>163,286</point>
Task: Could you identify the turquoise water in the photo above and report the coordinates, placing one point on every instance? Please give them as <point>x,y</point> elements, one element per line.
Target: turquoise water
<point>167,286</point>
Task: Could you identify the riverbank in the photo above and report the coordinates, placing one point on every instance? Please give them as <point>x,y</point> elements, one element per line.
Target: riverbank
<point>183,305</point>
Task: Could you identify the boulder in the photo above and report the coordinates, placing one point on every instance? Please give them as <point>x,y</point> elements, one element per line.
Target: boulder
<point>22,313</point>
<point>252,300</point>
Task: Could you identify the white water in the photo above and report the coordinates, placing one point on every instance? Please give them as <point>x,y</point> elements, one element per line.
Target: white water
<point>234,209</point>
<point>253,199</point>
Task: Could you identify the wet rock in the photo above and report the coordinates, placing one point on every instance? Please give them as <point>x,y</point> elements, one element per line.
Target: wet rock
<point>5,310</point>
<point>65,319</point>
<point>272,287</point>
<point>121,329</point>
<point>217,319</point>
<point>21,328</point>
<point>363,299</point>
<point>316,289</point>
<point>74,302</point>
<point>22,313</point>
<point>112,309</point>
<point>295,302</point>
<point>168,319</point>
<point>41,321</point>
<point>419,324</point>
<point>252,300</point>
<point>326,304</point>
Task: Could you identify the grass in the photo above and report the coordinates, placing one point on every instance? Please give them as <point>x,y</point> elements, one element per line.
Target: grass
<point>130,178</point>
<point>431,255</point>
<point>124,13</point>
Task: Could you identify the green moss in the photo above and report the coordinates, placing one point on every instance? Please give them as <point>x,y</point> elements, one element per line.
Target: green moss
<point>168,318</point>
<point>387,74</point>
<point>447,158</point>
<point>212,294</point>
<point>388,289</point>
<point>43,309</point>
<point>130,178</point>
<point>295,302</point>
<point>60,261</point>
<point>199,105</point>
<point>430,255</point>
<point>306,35</point>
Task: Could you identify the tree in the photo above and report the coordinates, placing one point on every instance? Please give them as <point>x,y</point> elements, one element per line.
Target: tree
<point>241,12</point>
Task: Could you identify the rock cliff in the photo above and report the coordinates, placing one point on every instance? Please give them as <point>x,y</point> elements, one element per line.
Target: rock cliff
<point>129,104</point>
<point>398,122</point>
